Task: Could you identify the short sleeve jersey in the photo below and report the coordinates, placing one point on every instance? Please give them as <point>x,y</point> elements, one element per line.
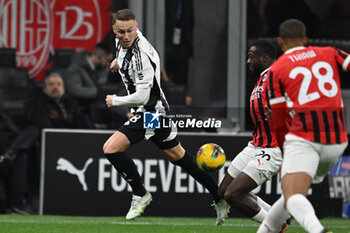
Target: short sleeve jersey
<point>139,67</point>
<point>262,132</point>
<point>307,80</point>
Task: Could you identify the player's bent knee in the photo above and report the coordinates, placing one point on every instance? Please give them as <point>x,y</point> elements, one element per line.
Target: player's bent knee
<point>175,153</point>
<point>110,149</point>
<point>172,156</point>
<point>225,184</point>
<point>106,149</point>
<point>118,142</point>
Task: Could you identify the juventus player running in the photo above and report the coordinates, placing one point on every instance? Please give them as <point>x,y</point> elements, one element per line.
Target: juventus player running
<point>261,158</point>
<point>307,80</point>
<point>138,64</point>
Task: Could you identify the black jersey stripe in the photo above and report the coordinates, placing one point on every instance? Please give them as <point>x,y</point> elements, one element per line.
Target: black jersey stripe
<point>261,139</point>
<point>118,48</point>
<point>155,94</point>
<point>341,115</point>
<point>265,123</point>
<point>125,70</point>
<point>272,91</point>
<point>281,87</point>
<point>138,58</point>
<point>256,119</point>
<point>302,119</point>
<point>326,127</point>
<point>336,127</point>
<point>155,91</point>
<point>267,99</point>
<point>316,126</point>
<point>341,53</point>
<point>269,107</point>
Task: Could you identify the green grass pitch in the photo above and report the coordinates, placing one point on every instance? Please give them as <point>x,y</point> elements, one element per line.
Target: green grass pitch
<point>66,224</point>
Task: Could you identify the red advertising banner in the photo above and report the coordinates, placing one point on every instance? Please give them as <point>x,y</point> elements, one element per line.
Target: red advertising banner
<point>34,27</point>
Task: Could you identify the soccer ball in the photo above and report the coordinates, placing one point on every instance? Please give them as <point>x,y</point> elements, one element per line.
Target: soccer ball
<point>210,157</point>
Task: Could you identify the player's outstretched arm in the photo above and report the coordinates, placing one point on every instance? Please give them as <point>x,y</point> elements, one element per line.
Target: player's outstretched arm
<point>140,97</point>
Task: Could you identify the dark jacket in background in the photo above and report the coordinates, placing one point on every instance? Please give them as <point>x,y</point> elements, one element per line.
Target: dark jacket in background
<point>44,112</point>
<point>82,83</point>
<point>8,129</point>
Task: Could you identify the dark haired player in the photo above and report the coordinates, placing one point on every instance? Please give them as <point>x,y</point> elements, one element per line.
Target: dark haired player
<point>305,79</point>
<point>261,158</point>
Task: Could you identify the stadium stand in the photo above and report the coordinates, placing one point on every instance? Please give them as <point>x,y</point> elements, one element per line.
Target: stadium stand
<point>14,85</point>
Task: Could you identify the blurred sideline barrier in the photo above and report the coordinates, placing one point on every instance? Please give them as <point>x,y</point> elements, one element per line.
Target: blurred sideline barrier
<point>76,178</point>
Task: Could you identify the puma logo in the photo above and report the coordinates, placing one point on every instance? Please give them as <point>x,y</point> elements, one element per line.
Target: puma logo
<point>65,165</point>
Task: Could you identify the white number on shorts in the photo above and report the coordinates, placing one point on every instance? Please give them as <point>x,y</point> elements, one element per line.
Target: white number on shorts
<point>263,155</point>
<point>133,119</point>
<point>303,96</point>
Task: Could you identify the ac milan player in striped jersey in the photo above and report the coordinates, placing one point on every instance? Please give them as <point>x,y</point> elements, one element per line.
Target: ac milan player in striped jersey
<point>262,157</point>
<point>305,79</point>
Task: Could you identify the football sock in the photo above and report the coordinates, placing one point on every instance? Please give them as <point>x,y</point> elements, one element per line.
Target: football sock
<point>128,170</point>
<point>259,217</point>
<point>263,204</point>
<point>275,217</point>
<point>188,164</point>
<point>302,210</point>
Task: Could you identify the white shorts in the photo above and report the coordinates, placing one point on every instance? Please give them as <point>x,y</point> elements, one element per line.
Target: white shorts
<point>316,159</point>
<point>257,162</point>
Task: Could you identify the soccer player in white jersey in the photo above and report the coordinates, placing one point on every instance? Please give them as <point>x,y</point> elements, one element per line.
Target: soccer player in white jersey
<point>138,64</point>
<point>307,80</point>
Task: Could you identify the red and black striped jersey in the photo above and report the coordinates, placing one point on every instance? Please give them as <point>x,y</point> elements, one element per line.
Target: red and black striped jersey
<point>262,133</point>
<point>307,80</point>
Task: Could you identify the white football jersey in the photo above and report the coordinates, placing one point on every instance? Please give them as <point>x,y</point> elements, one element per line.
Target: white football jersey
<point>139,67</point>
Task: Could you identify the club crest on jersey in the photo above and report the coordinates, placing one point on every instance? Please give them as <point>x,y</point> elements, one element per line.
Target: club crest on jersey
<point>151,120</point>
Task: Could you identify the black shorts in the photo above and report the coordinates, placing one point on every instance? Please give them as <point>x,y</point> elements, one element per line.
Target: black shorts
<point>164,137</point>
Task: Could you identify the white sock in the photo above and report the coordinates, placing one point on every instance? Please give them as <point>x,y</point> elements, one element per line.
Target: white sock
<point>275,217</point>
<point>263,204</point>
<point>259,217</point>
<point>302,210</point>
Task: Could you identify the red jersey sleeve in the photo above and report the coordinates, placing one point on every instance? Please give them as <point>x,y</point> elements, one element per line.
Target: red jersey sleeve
<point>343,59</point>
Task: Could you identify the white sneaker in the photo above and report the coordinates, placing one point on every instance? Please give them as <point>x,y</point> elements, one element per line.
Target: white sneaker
<point>222,210</point>
<point>138,205</point>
